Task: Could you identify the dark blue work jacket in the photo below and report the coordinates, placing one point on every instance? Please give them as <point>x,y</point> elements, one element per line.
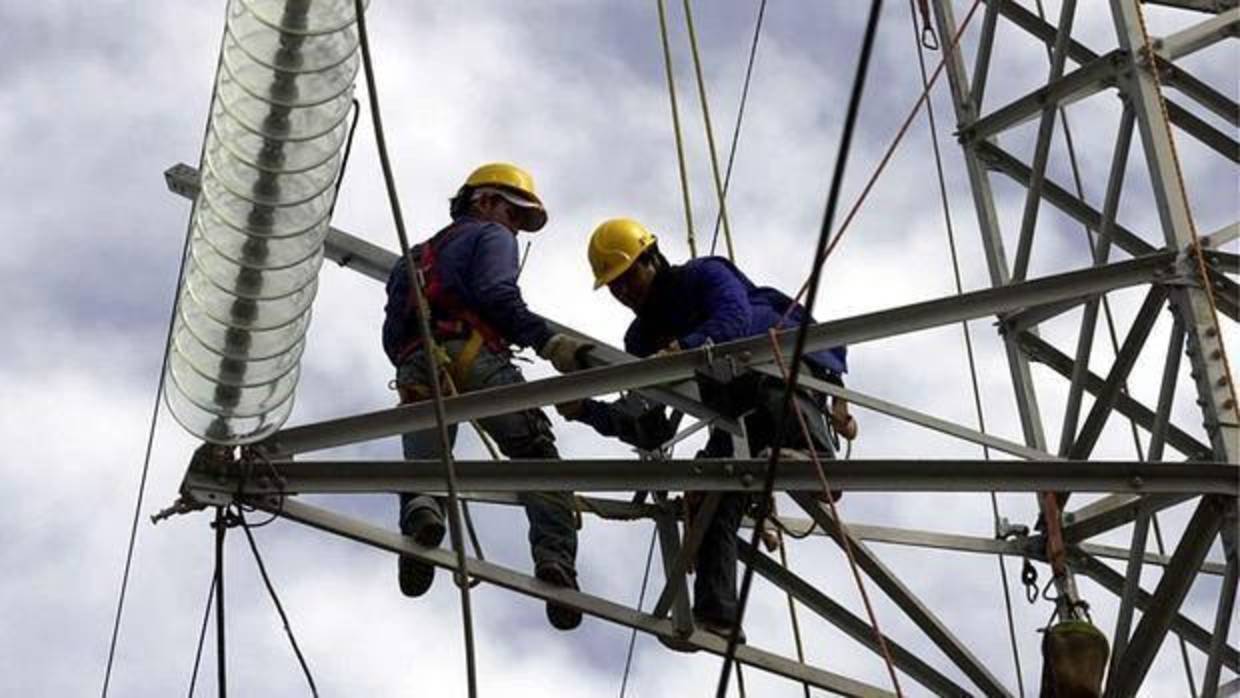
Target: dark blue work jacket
<point>709,298</point>
<point>478,265</point>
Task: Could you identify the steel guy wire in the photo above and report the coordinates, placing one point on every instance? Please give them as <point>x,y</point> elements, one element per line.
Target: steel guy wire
<point>454,514</point>
<point>159,391</point>
<point>202,636</point>
<point>919,43</point>
<point>641,598</point>
<point>882,163</point>
<point>768,484</point>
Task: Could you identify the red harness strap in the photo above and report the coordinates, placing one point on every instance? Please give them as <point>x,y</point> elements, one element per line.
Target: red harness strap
<point>450,318</point>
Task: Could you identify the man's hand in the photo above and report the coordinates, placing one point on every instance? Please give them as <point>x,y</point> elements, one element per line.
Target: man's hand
<point>672,348</point>
<point>571,410</point>
<point>564,352</point>
<point>843,422</point>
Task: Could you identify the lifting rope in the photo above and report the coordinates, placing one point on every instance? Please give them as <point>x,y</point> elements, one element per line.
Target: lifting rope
<point>454,515</point>
<point>845,535</point>
<point>964,326</point>
<point>740,114</point>
<point>798,352</point>
<point>710,131</point>
<point>680,147</point>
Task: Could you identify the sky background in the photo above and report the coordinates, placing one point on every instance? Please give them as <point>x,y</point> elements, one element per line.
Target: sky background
<point>98,99</point>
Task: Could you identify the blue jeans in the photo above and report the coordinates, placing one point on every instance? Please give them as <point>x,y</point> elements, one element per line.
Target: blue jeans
<point>525,434</point>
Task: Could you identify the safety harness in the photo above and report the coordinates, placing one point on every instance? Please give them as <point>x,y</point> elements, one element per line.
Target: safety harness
<point>451,319</point>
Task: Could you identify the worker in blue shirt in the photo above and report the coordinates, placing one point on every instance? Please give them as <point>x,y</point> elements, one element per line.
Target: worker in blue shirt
<point>684,307</point>
<point>469,274</point>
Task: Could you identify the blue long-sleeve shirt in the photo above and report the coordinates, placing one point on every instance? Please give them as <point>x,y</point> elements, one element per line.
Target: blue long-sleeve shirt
<point>708,298</point>
<point>477,262</point>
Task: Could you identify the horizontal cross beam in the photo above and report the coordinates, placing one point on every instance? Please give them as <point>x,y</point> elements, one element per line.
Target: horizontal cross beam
<point>720,475</point>
<point>746,353</point>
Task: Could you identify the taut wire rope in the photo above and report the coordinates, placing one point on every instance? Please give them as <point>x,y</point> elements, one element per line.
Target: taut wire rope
<point>680,146</point>
<point>641,598</point>
<point>159,391</point>
<point>710,131</point>
<point>768,485</point>
<point>740,114</point>
<point>202,637</point>
<point>918,44</point>
<point>454,512</point>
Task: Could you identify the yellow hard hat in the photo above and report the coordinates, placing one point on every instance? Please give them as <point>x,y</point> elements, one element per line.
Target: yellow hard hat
<point>614,246</point>
<point>511,180</point>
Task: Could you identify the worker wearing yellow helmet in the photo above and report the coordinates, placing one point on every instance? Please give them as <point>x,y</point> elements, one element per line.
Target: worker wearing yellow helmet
<point>469,271</point>
<point>679,307</point>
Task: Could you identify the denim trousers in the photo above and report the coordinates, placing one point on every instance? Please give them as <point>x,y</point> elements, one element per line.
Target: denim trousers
<point>524,434</point>
<point>714,584</point>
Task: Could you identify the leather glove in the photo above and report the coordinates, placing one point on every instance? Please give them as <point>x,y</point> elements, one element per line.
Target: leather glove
<point>564,352</point>
<point>672,348</point>
<point>571,410</point>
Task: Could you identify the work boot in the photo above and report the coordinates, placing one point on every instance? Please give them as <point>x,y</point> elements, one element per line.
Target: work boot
<point>560,616</point>
<point>426,527</point>
<point>720,628</point>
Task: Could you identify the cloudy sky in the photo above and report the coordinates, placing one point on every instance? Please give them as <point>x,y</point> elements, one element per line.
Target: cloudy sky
<point>98,99</point>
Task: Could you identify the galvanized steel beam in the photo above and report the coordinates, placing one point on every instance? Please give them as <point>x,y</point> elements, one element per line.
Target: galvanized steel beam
<point>721,475</point>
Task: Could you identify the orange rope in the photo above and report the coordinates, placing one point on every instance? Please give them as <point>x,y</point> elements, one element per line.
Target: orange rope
<point>1151,56</point>
<point>845,534</point>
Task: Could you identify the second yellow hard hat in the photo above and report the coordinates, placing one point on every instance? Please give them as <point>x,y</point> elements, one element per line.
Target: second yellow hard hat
<point>614,246</point>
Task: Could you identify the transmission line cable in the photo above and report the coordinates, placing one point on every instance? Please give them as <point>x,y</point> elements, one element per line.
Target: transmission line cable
<point>159,391</point>
<point>740,114</point>
<point>680,147</point>
<point>454,513</point>
<point>710,131</point>
<point>919,41</point>
<point>799,349</point>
